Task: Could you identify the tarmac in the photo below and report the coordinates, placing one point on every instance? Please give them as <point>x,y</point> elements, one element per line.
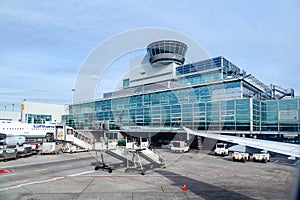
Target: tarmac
<point>72,176</point>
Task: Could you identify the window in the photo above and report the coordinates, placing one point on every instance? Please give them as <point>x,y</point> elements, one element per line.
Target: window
<point>38,118</point>
<point>126,82</point>
<point>288,115</point>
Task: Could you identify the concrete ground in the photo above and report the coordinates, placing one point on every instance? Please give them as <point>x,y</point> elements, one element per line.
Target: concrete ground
<point>72,176</point>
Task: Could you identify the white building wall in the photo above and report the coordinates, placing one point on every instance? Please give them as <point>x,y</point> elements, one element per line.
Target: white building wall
<point>55,110</point>
<point>152,74</point>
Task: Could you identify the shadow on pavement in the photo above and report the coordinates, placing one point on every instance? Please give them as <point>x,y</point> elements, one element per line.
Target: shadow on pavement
<point>201,189</point>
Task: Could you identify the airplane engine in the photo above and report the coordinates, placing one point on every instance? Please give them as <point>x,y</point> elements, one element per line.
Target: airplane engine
<point>12,140</point>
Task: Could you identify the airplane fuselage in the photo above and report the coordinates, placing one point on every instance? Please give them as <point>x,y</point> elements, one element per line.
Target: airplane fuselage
<point>12,128</point>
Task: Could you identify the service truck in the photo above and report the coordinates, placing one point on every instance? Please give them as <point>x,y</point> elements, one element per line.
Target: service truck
<point>240,156</point>
<point>261,157</point>
<point>179,146</point>
<point>221,149</point>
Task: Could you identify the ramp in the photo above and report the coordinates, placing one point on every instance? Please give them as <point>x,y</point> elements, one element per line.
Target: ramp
<point>152,157</point>
<point>81,143</point>
<point>119,154</point>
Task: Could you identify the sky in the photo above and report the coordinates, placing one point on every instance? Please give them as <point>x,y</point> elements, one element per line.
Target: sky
<point>44,43</point>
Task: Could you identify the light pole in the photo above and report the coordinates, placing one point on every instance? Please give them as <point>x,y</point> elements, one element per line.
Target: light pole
<point>73,90</point>
<point>143,74</point>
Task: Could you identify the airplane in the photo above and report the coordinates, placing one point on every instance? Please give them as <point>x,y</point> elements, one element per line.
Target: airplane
<point>292,150</point>
<point>15,133</point>
<point>11,140</point>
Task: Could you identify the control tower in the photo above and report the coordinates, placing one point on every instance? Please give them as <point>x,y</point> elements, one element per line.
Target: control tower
<point>165,52</point>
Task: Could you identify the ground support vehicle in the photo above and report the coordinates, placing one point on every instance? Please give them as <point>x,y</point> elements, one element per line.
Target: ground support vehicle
<point>179,146</point>
<point>8,154</point>
<point>261,157</point>
<point>221,149</point>
<point>49,148</point>
<point>240,156</point>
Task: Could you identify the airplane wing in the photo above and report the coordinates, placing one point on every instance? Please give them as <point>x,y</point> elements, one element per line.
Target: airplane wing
<point>278,147</point>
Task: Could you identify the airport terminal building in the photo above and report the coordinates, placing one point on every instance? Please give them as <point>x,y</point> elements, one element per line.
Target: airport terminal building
<point>214,95</point>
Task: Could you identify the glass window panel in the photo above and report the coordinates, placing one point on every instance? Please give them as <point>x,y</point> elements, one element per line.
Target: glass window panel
<point>289,115</point>
<point>290,104</point>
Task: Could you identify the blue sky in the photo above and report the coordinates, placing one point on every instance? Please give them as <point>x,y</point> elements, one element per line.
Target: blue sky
<point>44,43</point>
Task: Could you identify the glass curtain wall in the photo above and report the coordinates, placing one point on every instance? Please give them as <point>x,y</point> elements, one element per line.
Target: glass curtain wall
<point>280,115</point>
<point>194,108</point>
<point>37,118</point>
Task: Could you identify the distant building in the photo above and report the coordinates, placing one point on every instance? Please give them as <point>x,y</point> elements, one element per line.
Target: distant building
<point>10,115</point>
<point>41,113</point>
<point>210,95</point>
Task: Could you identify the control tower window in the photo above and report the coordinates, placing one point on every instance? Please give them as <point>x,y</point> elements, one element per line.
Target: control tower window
<point>166,51</point>
<point>126,82</point>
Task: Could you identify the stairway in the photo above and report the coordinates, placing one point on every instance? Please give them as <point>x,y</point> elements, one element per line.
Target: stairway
<point>152,157</point>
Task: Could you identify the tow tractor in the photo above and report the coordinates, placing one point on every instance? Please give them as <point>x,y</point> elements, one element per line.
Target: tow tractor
<point>221,149</point>
<point>179,146</point>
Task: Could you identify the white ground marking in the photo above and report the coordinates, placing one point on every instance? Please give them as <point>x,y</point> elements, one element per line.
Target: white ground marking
<point>39,170</point>
<point>86,172</point>
<point>9,174</point>
<point>21,165</point>
<point>66,166</point>
<point>296,163</point>
<point>45,181</point>
<point>31,183</point>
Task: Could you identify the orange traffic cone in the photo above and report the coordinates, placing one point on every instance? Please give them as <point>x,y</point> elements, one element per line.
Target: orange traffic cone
<point>184,187</point>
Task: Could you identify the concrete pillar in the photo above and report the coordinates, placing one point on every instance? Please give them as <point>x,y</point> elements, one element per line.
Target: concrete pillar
<point>199,142</point>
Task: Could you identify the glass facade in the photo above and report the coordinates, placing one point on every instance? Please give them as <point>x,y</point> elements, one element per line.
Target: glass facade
<point>194,108</point>
<point>37,118</point>
<point>199,66</point>
<point>280,115</point>
<point>210,95</point>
